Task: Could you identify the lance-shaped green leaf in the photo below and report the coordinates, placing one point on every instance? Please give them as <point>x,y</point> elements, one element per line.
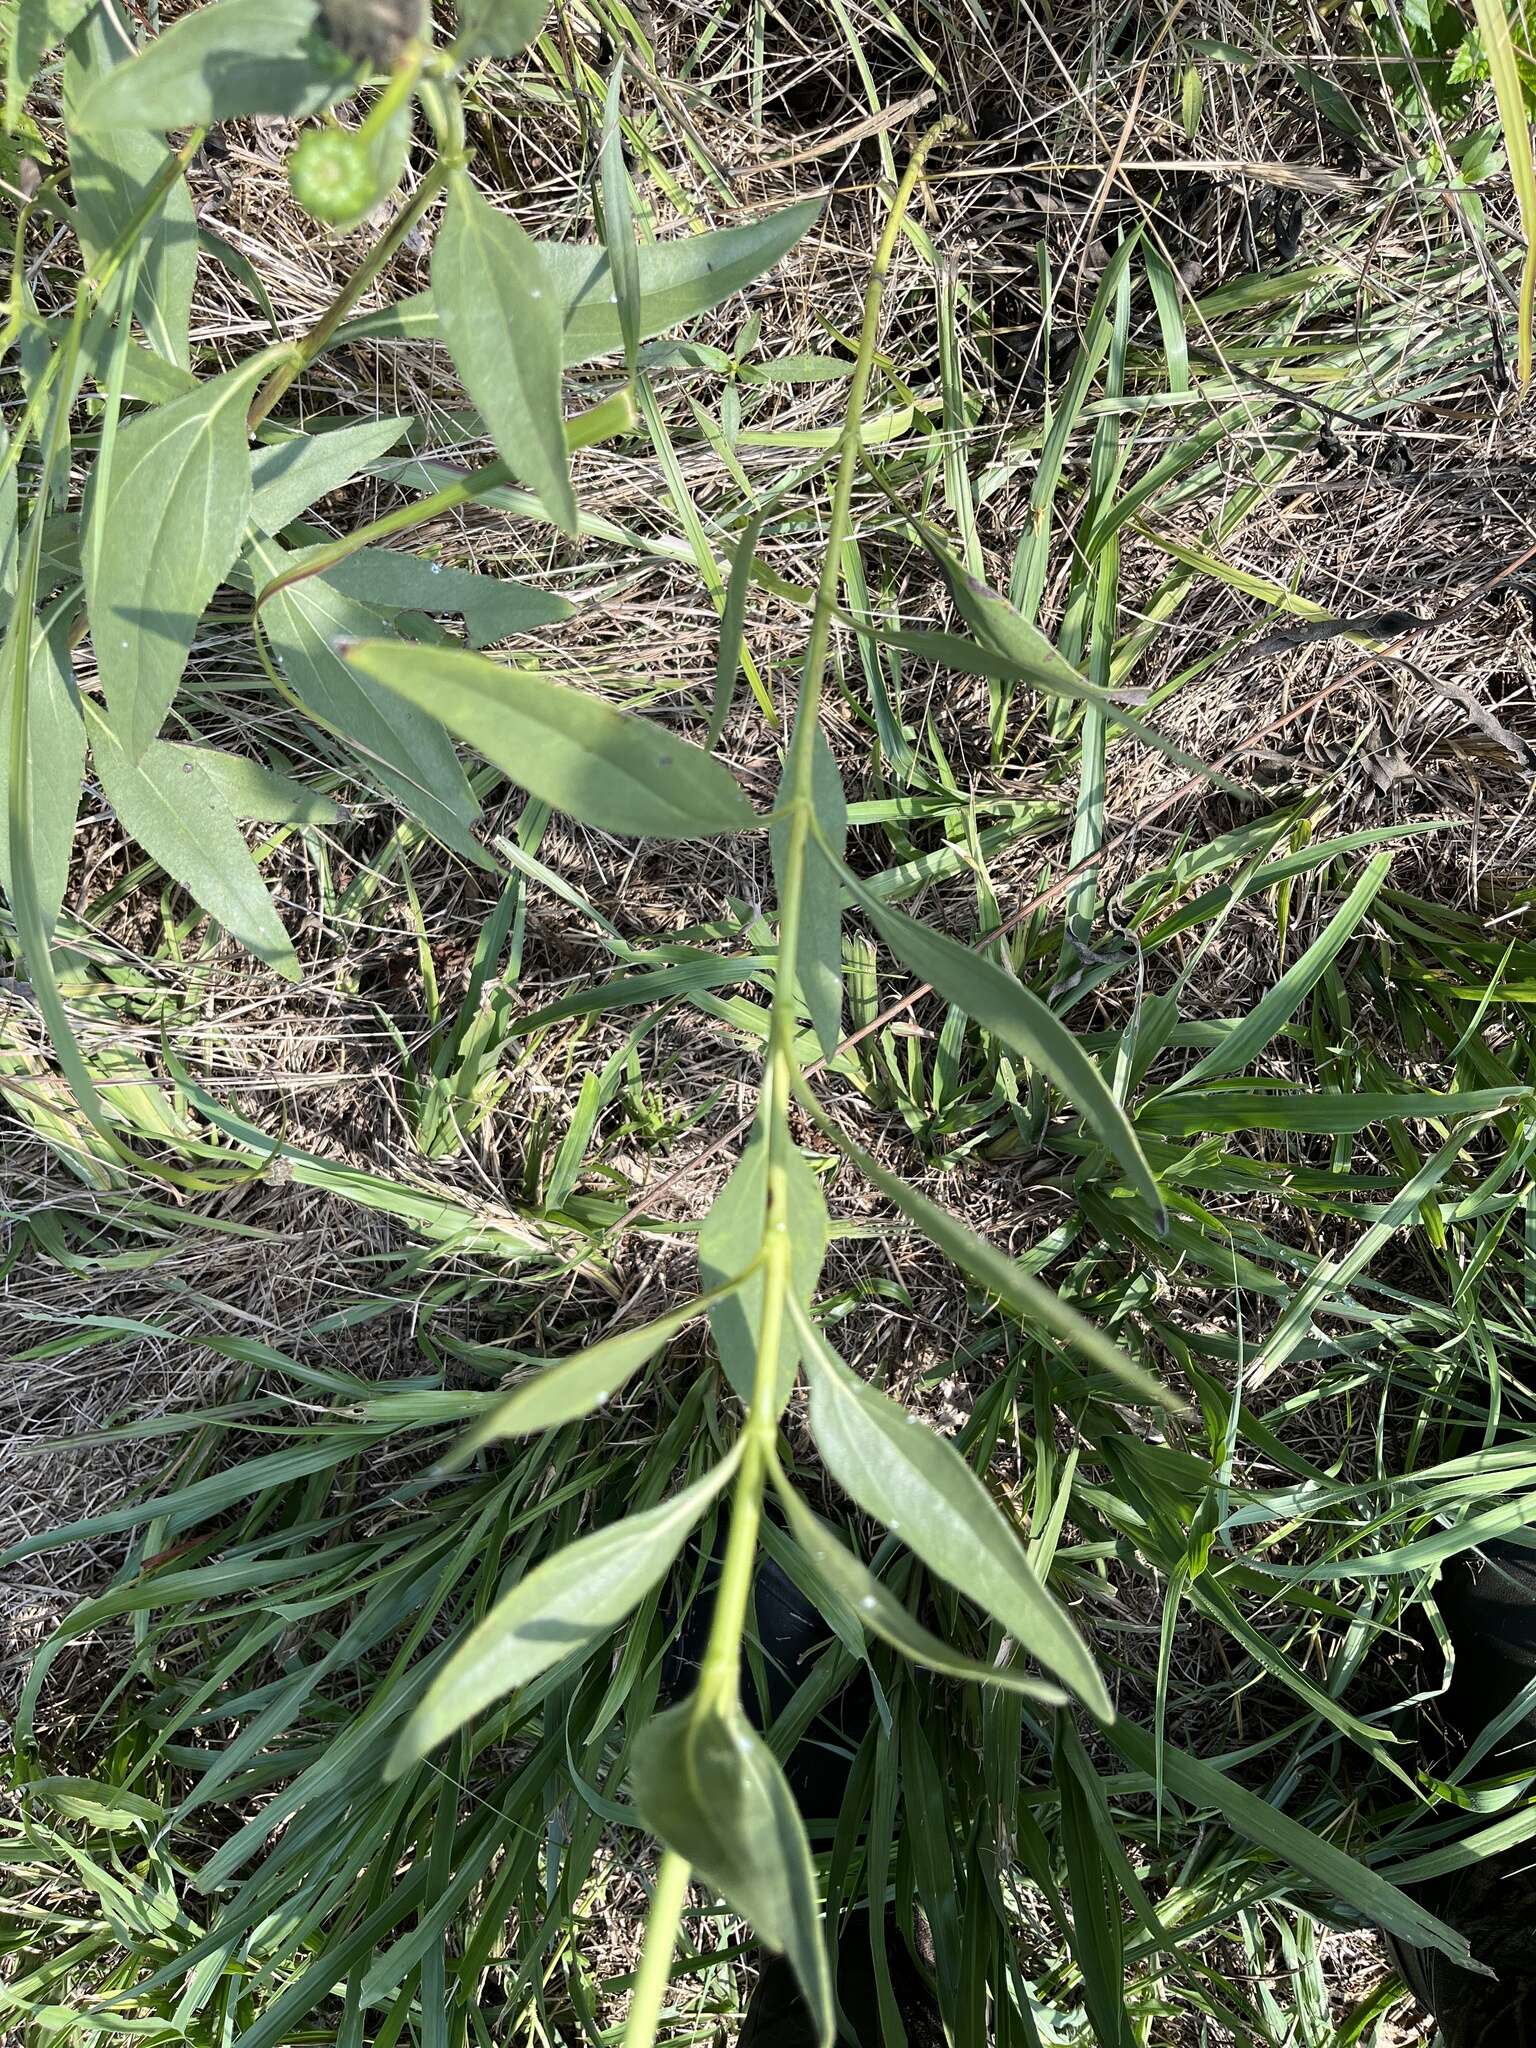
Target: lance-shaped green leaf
<point>288,476</point>
<point>567,1603</point>
<point>112,174</point>
<point>56,752</point>
<point>160,539</point>
<point>1013,1284</point>
<point>1011,648</point>
<point>492,607</point>
<point>1013,1013</point>
<point>818,962</point>
<point>617,220</point>
<point>497,28</point>
<point>878,1610</point>
<point>707,1785</point>
<point>678,280</point>
<point>403,749</point>
<point>239,57</point>
<point>606,767</point>
<point>587,1380</point>
<point>177,813</point>
<point>896,1469</point>
<point>1252,1032</point>
<point>729,1243</point>
<point>497,311</point>
<point>250,790</point>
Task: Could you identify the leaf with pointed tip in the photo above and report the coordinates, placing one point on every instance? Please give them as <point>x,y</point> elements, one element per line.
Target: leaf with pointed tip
<point>238,57</point>
<point>565,1604</point>
<point>403,749</point>
<point>707,1785</point>
<point>160,540</point>
<point>895,1468</point>
<point>1016,1015</point>
<point>819,962</point>
<point>729,1242</point>
<point>678,280</point>
<point>617,220</point>
<point>287,476</point>
<point>576,1385</point>
<point>878,1610</point>
<point>1013,1284</point>
<point>178,814</point>
<point>602,766</point>
<point>499,316</point>
<point>492,607</point>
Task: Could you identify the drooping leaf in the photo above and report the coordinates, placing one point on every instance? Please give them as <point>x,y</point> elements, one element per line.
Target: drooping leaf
<point>575,1386</point>
<point>707,1785</point>
<point>818,962</point>
<point>895,1468</point>
<point>249,790</point>
<point>1013,1284</point>
<point>569,1601</point>
<point>160,539</point>
<point>498,28</point>
<point>56,746</point>
<point>402,749</point>
<point>236,57</point>
<point>605,767</point>
<point>678,281</point>
<point>1016,1015</point>
<point>498,313</point>
<point>112,175</point>
<point>176,811</point>
<point>729,1242</point>
<point>492,607</point>
<point>287,476</point>
<point>878,1610</point>
<point>108,1807</point>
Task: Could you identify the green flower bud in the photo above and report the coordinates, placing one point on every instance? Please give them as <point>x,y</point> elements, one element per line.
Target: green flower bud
<point>332,176</point>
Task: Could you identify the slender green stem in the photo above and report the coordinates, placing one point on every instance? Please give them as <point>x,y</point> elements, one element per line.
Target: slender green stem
<point>661,1925</point>
<point>719,1676</point>
<point>720,1671</point>
<point>353,286</point>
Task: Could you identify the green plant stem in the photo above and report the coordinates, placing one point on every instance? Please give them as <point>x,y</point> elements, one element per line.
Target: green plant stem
<point>402,84</point>
<point>720,1670</point>
<point>367,272</point>
<point>661,1925</point>
<point>778,1081</point>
